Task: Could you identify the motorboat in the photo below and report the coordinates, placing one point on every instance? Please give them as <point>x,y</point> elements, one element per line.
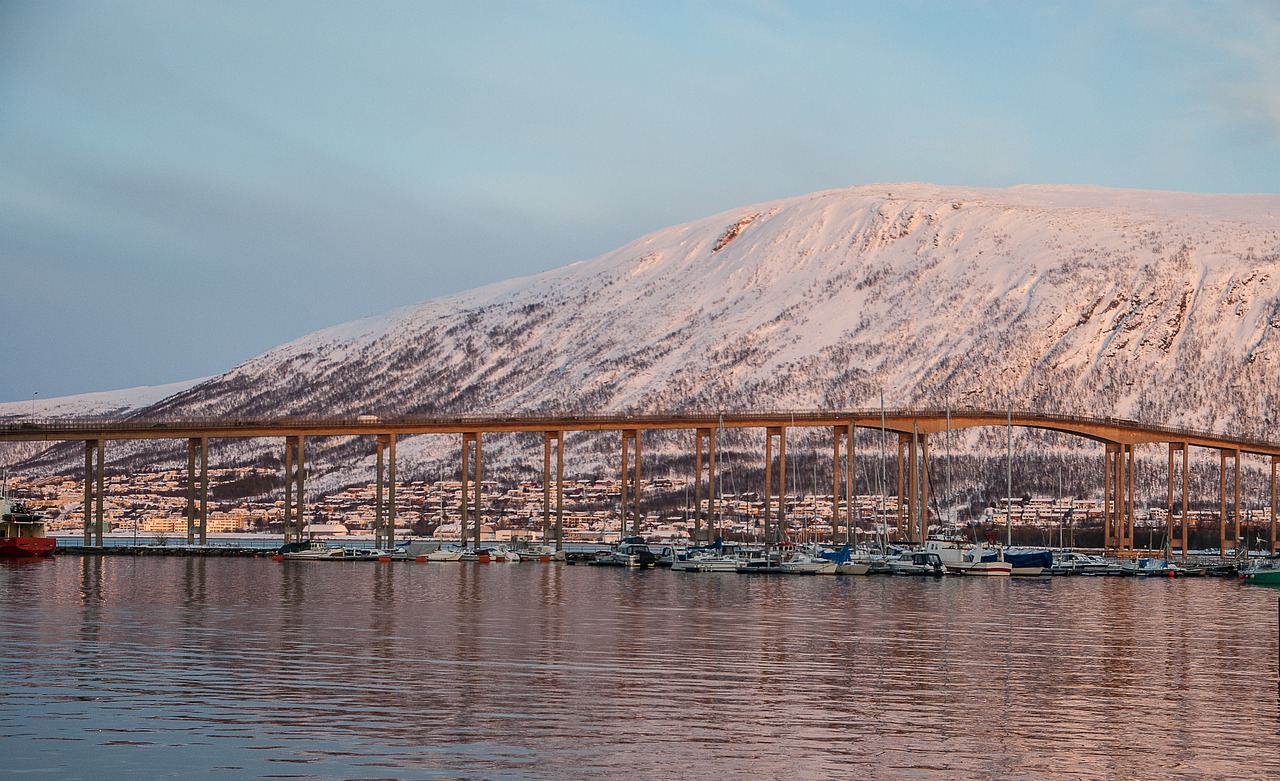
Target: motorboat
<point>1159,568</point>
<point>539,553</point>
<point>632,552</point>
<point>705,561</point>
<point>916,563</point>
<point>968,559</point>
<point>306,550</point>
<point>498,554</point>
<point>807,563</point>
<point>758,561</point>
<point>1265,572</point>
<point>1074,563</point>
<point>716,557</point>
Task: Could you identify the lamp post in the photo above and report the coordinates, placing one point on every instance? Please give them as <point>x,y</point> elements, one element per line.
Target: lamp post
<point>33,404</point>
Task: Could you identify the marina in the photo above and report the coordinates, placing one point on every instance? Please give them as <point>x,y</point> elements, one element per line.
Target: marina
<point>938,556</point>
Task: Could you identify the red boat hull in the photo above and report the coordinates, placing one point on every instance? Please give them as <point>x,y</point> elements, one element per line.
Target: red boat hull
<point>27,546</point>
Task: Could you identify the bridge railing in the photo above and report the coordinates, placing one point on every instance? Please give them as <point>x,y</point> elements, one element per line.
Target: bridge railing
<point>362,423</point>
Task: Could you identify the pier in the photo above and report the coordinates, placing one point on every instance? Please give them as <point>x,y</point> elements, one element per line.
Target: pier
<point>1118,438</point>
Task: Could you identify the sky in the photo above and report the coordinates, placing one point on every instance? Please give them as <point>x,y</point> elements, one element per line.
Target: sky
<point>186,185</point>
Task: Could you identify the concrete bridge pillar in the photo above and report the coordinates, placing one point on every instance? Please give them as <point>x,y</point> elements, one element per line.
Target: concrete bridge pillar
<point>1182,536</point>
<point>912,518</point>
<point>1234,521</point>
<point>630,500</point>
<point>550,438</point>
<point>842,434</point>
<point>294,482</point>
<point>94,489</point>
<point>384,504</point>
<point>1272,504</point>
<point>1117,505</point>
<point>469,441</point>
<point>197,512</point>
<point>775,531</point>
<point>707,437</point>
<point>1273,547</point>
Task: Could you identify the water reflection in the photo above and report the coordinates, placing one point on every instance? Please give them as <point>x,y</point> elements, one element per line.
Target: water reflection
<point>251,668</point>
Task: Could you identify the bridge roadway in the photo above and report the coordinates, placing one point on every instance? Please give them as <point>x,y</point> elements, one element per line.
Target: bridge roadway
<point>1118,436</point>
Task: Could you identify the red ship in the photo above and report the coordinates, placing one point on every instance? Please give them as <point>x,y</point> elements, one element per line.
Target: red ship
<point>22,531</point>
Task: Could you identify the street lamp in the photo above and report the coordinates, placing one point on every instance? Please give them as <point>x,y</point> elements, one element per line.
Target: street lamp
<point>33,404</point>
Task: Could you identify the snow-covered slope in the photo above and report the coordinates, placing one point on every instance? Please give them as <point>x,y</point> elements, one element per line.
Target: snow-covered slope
<point>1077,299</point>
<point>1157,306</point>
<point>105,403</point>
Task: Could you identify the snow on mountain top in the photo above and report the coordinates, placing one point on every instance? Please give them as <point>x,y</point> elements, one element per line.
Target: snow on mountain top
<point>832,214</point>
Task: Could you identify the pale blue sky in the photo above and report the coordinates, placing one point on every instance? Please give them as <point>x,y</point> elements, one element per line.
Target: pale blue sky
<point>186,184</point>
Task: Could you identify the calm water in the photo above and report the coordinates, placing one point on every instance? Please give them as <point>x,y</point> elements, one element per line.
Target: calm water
<point>121,667</point>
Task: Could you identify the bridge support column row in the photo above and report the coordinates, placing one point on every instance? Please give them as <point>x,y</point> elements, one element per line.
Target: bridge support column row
<point>630,502</point>
<point>94,476</point>
<point>707,436</point>
<point>384,503</point>
<point>198,519</point>
<point>470,441</point>
<point>294,483</point>
<point>1117,504</point>
<point>773,533</point>
<point>556,438</point>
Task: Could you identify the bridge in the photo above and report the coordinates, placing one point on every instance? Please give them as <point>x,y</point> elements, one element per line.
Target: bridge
<point>1117,436</point>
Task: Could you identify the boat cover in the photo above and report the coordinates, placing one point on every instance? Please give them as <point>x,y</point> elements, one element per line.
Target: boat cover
<point>1039,558</point>
<point>838,556</point>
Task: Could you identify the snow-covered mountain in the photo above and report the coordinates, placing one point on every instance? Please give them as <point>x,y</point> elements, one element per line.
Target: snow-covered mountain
<point>1163,307</point>
<point>104,403</point>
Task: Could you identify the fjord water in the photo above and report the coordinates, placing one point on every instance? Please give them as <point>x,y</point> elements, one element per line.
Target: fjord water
<point>118,667</point>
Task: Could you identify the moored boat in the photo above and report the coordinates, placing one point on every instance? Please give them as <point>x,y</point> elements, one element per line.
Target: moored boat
<point>1265,572</point>
<point>1075,563</point>
<point>968,560</point>
<point>543,553</point>
<point>806,563</point>
<point>632,552</point>
<point>916,563</point>
<point>498,554</point>
<point>311,550</point>
<point>1033,562</point>
<point>445,553</point>
<point>1160,568</point>
<point>22,532</point>
<point>414,550</point>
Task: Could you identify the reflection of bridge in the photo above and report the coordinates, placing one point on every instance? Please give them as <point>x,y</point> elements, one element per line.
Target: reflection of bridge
<point>912,427</point>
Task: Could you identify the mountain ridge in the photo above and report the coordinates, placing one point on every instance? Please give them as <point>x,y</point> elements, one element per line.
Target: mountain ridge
<point>1162,307</point>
